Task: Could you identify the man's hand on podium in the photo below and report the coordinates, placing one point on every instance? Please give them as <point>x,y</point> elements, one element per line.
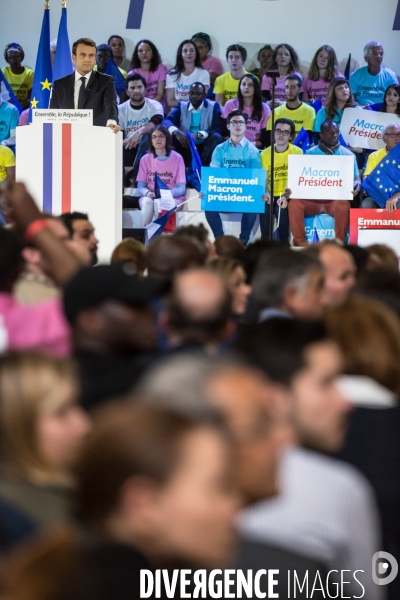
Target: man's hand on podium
<point>115,127</point>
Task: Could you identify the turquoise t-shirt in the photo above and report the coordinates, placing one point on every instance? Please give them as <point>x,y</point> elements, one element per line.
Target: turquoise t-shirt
<point>321,117</point>
<point>369,89</point>
<point>9,117</point>
<point>243,156</point>
<point>341,151</point>
<point>195,124</point>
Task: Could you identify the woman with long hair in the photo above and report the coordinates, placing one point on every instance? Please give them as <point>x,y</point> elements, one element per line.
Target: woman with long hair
<point>324,67</point>
<point>249,101</point>
<point>41,430</point>
<point>284,61</point>
<point>339,97</point>
<point>169,166</point>
<point>146,61</point>
<point>187,70</point>
<point>391,101</point>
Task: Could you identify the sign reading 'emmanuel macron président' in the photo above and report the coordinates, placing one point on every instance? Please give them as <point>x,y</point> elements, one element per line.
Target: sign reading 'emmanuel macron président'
<point>319,177</point>
<point>233,190</point>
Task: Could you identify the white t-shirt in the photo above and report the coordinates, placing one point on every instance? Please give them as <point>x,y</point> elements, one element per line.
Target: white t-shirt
<point>182,82</point>
<point>131,119</point>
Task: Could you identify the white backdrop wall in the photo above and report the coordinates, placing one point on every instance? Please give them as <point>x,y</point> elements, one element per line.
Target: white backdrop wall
<point>306,24</point>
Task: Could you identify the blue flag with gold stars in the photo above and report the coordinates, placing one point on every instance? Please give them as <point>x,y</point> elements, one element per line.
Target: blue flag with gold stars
<point>384,180</point>
<point>40,97</point>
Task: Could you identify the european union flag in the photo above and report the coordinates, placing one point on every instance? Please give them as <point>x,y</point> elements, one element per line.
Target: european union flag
<point>384,180</point>
<point>43,73</point>
<point>193,172</point>
<point>302,140</point>
<point>347,68</point>
<point>8,94</point>
<point>62,62</point>
<point>119,79</point>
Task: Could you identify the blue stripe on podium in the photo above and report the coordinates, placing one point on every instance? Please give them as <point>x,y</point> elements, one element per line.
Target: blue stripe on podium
<point>47,167</point>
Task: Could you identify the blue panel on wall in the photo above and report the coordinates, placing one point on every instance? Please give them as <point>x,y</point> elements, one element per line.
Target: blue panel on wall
<point>135,14</point>
<point>396,25</point>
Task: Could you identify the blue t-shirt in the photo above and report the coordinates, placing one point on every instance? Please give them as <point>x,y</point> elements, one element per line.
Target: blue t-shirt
<point>321,117</point>
<point>9,117</point>
<point>195,125</point>
<point>341,151</point>
<point>243,156</point>
<point>369,89</point>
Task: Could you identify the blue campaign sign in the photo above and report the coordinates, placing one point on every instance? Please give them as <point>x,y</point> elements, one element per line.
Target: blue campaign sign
<point>233,190</point>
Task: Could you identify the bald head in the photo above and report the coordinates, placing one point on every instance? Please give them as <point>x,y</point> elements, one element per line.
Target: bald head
<point>340,273</point>
<point>199,307</point>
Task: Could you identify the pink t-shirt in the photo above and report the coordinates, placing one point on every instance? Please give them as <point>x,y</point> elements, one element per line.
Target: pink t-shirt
<point>24,117</point>
<point>152,78</point>
<point>314,90</point>
<point>171,171</point>
<point>41,326</point>
<point>280,86</point>
<point>212,64</point>
<point>253,128</point>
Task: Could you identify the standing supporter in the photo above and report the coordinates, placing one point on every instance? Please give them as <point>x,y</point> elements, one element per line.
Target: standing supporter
<point>338,98</point>
<point>186,71</point>
<point>249,101</point>
<point>285,62</point>
<point>324,67</point>
<point>302,115</point>
<point>117,44</point>
<point>20,78</point>
<point>237,152</point>
<point>169,166</point>
<point>200,117</point>
<point>210,63</point>
<point>284,134</point>
<point>391,101</point>
<point>233,274</point>
<point>391,137</point>
<point>81,231</point>
<point>9,117</point>
<point>104,54</point>
<point>264,56</point>
<point>227,85</point>
<point>369,83</point>
<point>146,61</point>
<point>42,428</point>
<point>339,209</point>
<point>137,117</point>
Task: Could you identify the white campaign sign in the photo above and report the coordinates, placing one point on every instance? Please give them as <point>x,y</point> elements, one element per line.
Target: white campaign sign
<point>62,115</point>
<point>315,177</point>
<point>363,128</point>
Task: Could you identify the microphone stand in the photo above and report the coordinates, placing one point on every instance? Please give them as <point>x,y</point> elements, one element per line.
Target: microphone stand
<point>273,75</point>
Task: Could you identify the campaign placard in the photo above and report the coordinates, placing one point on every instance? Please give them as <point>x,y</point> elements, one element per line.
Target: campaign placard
<point>375,226</point>
<point>315,177</point>
<point>62,115</point>
<point>363,128</point>
<point>233,190</point>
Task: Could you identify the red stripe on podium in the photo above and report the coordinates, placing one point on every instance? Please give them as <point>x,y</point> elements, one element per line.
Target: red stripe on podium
<point>66,168</point>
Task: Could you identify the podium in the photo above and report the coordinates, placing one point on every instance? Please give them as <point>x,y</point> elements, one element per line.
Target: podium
<point>74,167</point>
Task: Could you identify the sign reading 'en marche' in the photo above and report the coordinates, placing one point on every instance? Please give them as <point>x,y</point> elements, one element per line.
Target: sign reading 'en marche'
<point>314,177</point>
<point>363,128</point>
<point>233,190</point>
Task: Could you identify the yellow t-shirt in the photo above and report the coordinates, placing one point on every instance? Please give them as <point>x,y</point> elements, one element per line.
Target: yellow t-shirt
<point>374,159</point>
<point>20,84</point>
<point>228,86</point>
<point>280,167</point>
<point>7,159</point>
<point>304,116</point>
<point>124,73</point>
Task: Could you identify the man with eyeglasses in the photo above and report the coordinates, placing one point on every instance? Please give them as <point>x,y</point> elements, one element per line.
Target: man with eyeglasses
<point>391,137</point>
<point>302,115</point>
<point>137,118</point>
<point>236,153</point>
<point>284,134</point>
<point>369,83</point>
<point>328,145</point>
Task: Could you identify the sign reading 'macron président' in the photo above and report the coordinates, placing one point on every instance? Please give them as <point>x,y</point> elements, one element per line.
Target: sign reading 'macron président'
<point>233,190</point>
<point>314,177</point>
<point>363,128</point>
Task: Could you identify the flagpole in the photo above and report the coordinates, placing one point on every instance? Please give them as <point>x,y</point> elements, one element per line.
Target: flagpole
<point>64,4</point>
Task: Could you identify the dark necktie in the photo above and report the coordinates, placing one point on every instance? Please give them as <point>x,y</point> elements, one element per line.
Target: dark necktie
<point>82,89</point>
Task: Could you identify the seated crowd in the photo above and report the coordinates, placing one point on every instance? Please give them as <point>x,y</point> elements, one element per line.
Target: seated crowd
<point>196,100</point>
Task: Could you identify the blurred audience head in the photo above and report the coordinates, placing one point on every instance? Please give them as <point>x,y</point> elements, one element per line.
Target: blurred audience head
<point>168,255</point>
<point>368,334</point>
<point>232,272</point>
<point>290,282</point>
<point>382,285</point>
<point>254,251</point>
<point>131,254</point>
<point>82,231</point>
<point>304,364</point>
<point>200,234</point>
<point>382,257</point>
<point>228,246</point>
<point>340,272</point>
<point>41,425</point>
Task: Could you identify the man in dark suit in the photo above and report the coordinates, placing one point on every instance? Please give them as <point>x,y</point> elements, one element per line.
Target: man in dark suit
<point>87,89</point>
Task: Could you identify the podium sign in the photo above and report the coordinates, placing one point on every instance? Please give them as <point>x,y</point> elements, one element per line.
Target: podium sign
<point>69,167</point>
<point>61,115</point>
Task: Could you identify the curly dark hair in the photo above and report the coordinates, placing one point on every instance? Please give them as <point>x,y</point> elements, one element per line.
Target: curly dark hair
<point>155,59</point>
